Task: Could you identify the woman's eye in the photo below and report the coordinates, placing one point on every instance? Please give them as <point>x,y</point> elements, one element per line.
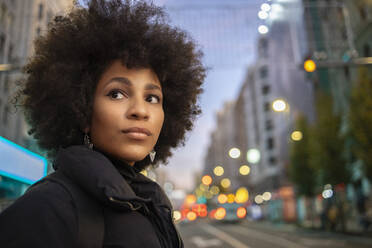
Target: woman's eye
<point>115,94</point>
<point>153,99</point>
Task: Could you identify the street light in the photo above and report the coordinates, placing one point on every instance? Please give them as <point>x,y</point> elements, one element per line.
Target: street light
<point>225,183</point>
<point>296,135</point>
<point>309,65</point>
<point>253,156</point>
<point>234,152</point>
<point>263,15</point>
<point>265,7</point>
<point>244,170</point>
<point>263,29</point>
<point>218,170</point>
<point>266,196</point>
<point>258,199</point>
<point>207,180</point>
<point>279,105</point>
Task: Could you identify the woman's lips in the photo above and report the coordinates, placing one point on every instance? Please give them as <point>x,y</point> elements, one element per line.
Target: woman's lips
<point>137,133</point>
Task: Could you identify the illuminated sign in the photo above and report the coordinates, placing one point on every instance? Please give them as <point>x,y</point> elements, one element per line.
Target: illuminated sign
<point>21,164</point>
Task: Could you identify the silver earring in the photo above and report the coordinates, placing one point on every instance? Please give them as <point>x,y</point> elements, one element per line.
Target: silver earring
<point>152,155</point>
<point>87,141</point>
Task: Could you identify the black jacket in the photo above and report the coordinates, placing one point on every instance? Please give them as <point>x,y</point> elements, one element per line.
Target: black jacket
<point>136,211</point>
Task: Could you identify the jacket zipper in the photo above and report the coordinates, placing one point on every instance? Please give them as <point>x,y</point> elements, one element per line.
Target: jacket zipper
<point>131,206</point>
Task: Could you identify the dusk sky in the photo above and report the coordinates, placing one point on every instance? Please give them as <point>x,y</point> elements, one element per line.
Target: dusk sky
<point>226,31</point>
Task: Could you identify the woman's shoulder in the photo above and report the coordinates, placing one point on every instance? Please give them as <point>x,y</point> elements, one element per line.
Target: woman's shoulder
<point>43,216</point>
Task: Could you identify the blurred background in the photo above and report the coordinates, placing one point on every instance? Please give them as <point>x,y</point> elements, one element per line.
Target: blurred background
<point>281,153</point>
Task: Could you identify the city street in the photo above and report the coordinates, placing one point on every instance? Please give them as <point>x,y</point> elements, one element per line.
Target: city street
<point>263,235</point>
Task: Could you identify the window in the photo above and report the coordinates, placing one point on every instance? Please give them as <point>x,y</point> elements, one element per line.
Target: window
<point>272,160</point>
<point>41,9</point>
<point>268,125</point>
<point>266,89</point>
<point>263,72</point>
<point>267,106</point>
<point>270,143</point>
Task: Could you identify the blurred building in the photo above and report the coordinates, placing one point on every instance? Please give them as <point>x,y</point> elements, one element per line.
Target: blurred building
<point>221,141</point>
<point>275,75</point>
<point>21,22</point>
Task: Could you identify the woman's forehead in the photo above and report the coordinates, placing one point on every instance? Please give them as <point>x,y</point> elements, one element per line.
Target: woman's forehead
<point>117,71</point>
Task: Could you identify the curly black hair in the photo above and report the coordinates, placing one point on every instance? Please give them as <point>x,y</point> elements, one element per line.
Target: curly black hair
<point>57,95</point>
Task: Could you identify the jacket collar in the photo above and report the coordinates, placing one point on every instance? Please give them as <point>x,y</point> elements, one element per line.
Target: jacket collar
<point>105,179</point>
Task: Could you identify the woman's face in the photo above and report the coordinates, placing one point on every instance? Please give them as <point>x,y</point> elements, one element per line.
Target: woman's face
<point>127,112</point>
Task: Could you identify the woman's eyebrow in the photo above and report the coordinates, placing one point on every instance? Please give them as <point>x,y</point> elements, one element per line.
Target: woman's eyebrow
<point>123,80</point>
<point>151,86</point>
<point>126,81</point>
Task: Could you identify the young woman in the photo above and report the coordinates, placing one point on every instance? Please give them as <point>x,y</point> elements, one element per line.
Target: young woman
<point>110,90</point>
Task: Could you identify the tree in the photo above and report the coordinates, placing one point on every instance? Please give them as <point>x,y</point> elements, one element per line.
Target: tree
<point>328,144</point>
<point>360,119</point>
<point>328,154</point>
<point>302,174</point>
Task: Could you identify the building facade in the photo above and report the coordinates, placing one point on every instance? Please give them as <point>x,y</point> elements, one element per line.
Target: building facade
<point>21,22</point>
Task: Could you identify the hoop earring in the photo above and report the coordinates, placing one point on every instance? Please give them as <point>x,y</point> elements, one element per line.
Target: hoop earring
<point>152,156</point>
<point>87,141</point>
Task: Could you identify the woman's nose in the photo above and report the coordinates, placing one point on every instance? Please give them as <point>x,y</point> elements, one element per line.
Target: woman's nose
<point>137,109</point>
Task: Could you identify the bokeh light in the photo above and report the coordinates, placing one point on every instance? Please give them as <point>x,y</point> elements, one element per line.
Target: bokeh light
<point>241,195</point>
<point>207,180</point>
<point>177,215</point>
<point>222,198</point>
<point>253,156</point>
<point>296,136</point>
<point>263,15</point>
<point>234,152</point>
<point>230,198</point>
<point>215,190</point>
<point>218,170</point>
<point>258,199</point>
<point>191,216</point>
<point>220,213</point>
<point>265,7</point>
<point>244,170</point>
<point>263,29</point>
<point>241,212</point>
<point>309,65</point>
<point>190,200</point>
<point>225,183</point>
<point>266,196</point>
<point>279,105</point>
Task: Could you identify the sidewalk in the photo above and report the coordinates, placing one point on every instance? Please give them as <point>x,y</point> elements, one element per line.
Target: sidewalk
<point>307,233</point>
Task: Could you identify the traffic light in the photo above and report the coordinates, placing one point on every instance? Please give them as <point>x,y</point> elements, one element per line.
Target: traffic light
<point>309,65</point>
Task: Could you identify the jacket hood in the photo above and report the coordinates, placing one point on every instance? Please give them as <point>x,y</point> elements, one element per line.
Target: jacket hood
<point>106,179</point>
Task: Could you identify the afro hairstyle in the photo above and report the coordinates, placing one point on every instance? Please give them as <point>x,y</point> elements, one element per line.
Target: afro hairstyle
<point>61,77</point>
